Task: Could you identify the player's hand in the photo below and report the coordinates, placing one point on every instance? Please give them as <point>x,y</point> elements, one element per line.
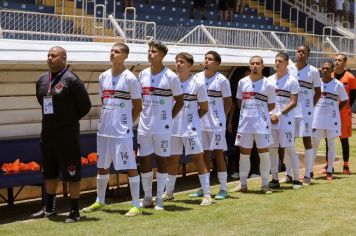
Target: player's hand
<point>274,119</point>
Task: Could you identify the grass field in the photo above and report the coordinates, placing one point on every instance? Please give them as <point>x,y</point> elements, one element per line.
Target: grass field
<point>323,208</point>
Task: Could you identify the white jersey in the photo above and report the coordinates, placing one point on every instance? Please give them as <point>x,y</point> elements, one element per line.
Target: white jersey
<point>187,122</point>
<point>157,99</point>
<point>255,97</point>
<point>116,114</point>
<point>285,87</point>
<point>218,87</point>
<point>327,114</point>
<point>308,79</point>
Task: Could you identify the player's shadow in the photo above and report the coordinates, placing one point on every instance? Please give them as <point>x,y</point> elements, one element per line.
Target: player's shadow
<point>176,208</point>
<point>335,177</point>
<point>122,212</point>
<point>61,218</point>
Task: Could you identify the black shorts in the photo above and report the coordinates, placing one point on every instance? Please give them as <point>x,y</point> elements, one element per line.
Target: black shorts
<point>199,3</point>
<point>61,155</point>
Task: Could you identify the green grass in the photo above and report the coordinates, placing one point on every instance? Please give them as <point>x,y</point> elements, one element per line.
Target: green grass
<point>323,208</point>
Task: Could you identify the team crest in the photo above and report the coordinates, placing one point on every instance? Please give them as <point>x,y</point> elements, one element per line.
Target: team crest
<point>72,170</point>
<point>59,87</point>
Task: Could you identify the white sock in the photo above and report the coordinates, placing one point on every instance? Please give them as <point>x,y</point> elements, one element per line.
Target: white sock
<point>147,183</point>
<point>331,154</point>
<point>101,183</point>
<point>308,156</point>
<point>171,183</point>
<point>287,163</point>
<point>222,176</point>
<point>134,183</point>
<point>265,167</point>
<point>245,167</point>
<point>161,183</point>
<point>293,159</point>
<point>205,183</point>
<point>274,162</point>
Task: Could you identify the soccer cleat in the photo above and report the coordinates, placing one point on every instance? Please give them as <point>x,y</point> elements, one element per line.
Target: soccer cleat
<point>240,188</point>
<point>222,194</point>
<point>147,202</point>
<point>346,170</point>
<point>73,217</point>
<point>274,184</point>
<point>297,184</point>
<point>235,175</point>
<point>166,197</point>
<point>134,211</point>
<point>306,181</point>
<point>42,213</point>
<point>329,176</point>
<point>266,190</point>
<point>94,207</point>
<point>196,194</point>
<point>159,205</point>
<point>288,179</point>
<point>311,174</point>
<point>206,201</point>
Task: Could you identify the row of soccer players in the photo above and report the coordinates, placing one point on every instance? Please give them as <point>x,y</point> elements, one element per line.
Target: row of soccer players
<point>189,111</point>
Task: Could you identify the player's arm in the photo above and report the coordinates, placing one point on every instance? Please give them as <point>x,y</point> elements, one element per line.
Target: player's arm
<point>203,108</point>
<point>179,102</point>
<point>227,104</point>
<point>342,104</point>
<point>271,106</point>
<point>229,118</point>
<point>137,108</point>
<point>317,94</point>
<point>238,103</point>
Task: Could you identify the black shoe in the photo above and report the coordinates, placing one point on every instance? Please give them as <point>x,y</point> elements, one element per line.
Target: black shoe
<point>42,213</point>
<point>73,217</point>
<point>297,184</point>
<point>289,179</point>
<point>311,174</point>
<point>274,184</point>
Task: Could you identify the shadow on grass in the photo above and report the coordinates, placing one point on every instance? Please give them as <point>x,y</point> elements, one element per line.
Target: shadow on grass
<point>335,177</point>
<point>61,218</point>
<point>176,208</point>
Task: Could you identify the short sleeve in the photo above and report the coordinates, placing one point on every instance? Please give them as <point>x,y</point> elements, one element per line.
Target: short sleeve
<point>342,93</point>
<point>134,88</point>
<point>239,90</point>
<point>176,86</point>
<point>352,82</point>
<point>225,88</point>
<point>294,87</point>
<point>202,94</point>
<point>316,79</point>
<point>271,92</point>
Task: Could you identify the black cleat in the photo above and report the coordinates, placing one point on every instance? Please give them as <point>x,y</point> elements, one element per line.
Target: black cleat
<point>73,217</point>
<point>43,213</point>
<point>274,184</point>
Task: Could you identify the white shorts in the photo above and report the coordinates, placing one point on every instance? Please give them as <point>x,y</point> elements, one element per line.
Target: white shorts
<point>246,140</point>
<point>325,133</point>
<point>119,151</point>
<point>192,145</point>
<point>159,144</point>
<point>213,140</point>
<point>282,138</point>
<point>303,128</point>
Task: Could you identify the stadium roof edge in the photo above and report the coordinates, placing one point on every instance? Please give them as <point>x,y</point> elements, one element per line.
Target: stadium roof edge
<point>93,53</point>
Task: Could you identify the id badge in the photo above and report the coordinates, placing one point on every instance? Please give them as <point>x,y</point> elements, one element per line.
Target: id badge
<point>47,105</point>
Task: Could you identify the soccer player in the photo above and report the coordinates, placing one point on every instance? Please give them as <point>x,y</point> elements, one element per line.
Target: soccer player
<point>256,97</point>
<point>160,88</point>
<point>349,82</point>
<point>282,118</point>
<point>186,130</point>
<point>214,122</point>
<point>120,93</point>
<point>327,122</point>
<point>309,93</point>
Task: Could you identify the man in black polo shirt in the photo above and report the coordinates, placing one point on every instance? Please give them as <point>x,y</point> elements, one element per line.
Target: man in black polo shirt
<point>64,101</point>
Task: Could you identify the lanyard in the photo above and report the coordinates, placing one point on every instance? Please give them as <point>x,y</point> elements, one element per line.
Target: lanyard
<point>50,81</point>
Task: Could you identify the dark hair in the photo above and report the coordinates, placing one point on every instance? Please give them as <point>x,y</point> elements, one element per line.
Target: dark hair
<point>159,45</point>
<point>341,54</point>
<point>305,46</point>
<point>188,57</point>
<point>331,64</point>
<point>216,56</point>
<point>283,55</point>
<point>123,46</point>
<point>256,56</point>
